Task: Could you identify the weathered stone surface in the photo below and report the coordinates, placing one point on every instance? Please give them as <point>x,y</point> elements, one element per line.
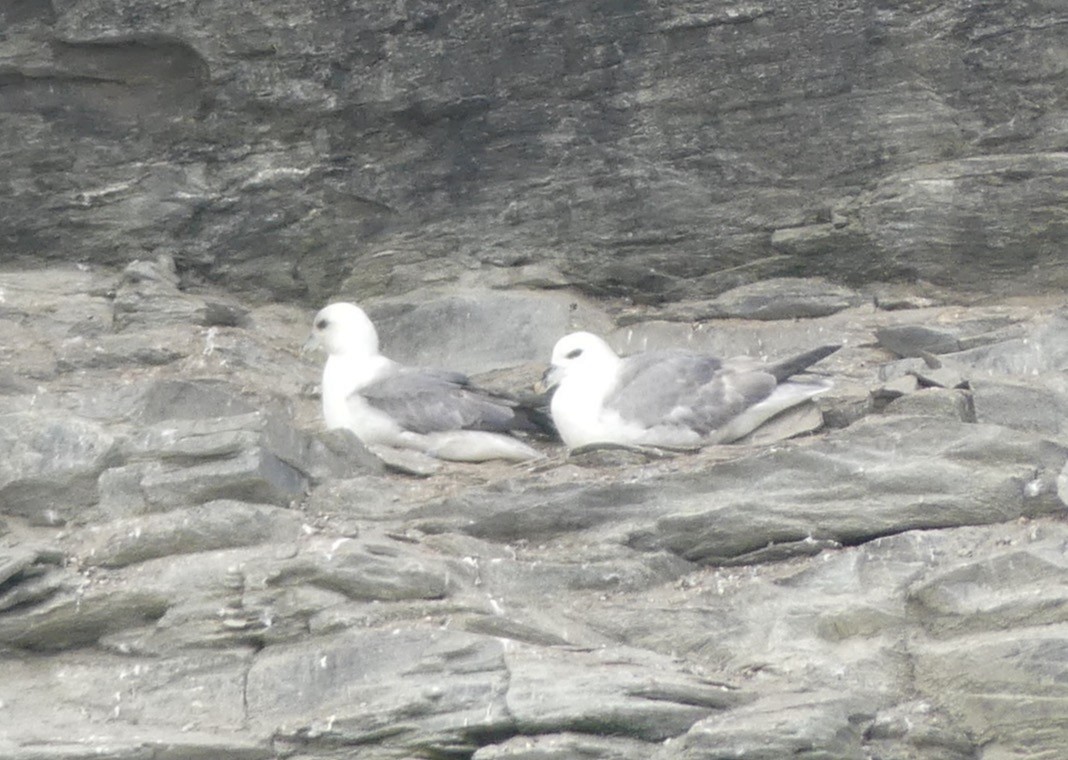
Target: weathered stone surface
<point>634,694</point>
<point>585,143</point>
<point>271,592</point>
<point>914,340</point>
<point>566,745</point>
<point>366,498</point>
<point>174,745</point>
<point>77,615</point>
<point>863,598</point>
<point>255,476</point>
<point>148,295</point>
<point>50,465</point>
<point>181,399</point>
<point>909,472</point>
<point>1007,691</point>
<point>777,298</point>
<point>367,569</point>
<point>370,151</point>
<point>1039,405</point>
<point>14,561</point>
<point>435,689</point>
<point>1043,348</point>
<point>146,349</point>
<point>1025,587</point>
<point>182,706</point>
<point>767,341</point>
<point>327,455</point>
<point>936,375</point>
<point>252,457</point>
<point>452,330</point>
<point>927,208</point>
<point>782,298</point>
<point>894,389</point>
<point>205,419</point>
<point>215,525</point>
<point>821,724</point>
<point>414,688</point>
<point>29,576</point>
<point>524,509</point>
<point>936,402</point>
<point>73,298</point>
<point>917,729</point>
<point>891,587</point>
<point>214,602</point>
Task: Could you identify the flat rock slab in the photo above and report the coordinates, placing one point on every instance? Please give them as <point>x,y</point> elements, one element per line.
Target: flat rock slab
<point>255,456</point>
<point>50,465</point>
<point>433,688</point>
<point>135,744</point>
<point>402,687</point>
<point>1006,688</point>
<point>635,694</point>
<point>76,616</point>
<point>1039,405</point>
<point>786,725</point>
<point>936,402</point>
<point>214,525</point>
<point>883,475</point>
<point>369,568</point>
<point>117,706</point>
<point>916,340</point>
<point>782,298</point>
<point>565,746</point>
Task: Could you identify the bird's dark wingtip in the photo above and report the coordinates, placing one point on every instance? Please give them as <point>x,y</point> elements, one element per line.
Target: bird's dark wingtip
<point>533,416</point>
<point>794,365</point>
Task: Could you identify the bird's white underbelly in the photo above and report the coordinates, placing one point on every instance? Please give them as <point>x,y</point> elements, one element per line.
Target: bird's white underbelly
<point>369,424</point>
<point>581,418</point>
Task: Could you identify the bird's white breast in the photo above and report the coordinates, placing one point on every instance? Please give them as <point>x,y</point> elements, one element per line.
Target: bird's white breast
<point>343,407</point>
<point>578,410</point>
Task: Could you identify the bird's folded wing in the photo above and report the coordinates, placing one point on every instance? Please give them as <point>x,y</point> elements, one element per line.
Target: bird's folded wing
<point>423,401</point>
<point>685,389</point>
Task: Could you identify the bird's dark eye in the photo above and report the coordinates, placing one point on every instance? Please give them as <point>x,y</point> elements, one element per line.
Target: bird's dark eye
<point>320,325</point>
<point>574,353</point>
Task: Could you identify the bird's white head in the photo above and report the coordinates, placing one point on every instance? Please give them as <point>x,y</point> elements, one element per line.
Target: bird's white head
<point>582,352</point>
<point>343,329</point>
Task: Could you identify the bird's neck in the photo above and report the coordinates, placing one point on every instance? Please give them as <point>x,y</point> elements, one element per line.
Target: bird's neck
<point>599,378</point>
<point>349,372</point>
<point>343,376</point>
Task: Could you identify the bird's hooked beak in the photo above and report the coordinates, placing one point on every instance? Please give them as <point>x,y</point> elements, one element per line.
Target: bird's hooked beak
<point>550,379</point>
<point>311,344</point>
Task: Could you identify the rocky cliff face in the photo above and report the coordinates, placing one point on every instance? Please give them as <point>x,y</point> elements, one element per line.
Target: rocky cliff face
<point>653,150</point>
<point>190,568</point>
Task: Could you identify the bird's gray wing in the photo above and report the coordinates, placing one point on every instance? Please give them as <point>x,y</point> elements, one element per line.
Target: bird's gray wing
<point>683,388</point>
<point>432,401</point>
